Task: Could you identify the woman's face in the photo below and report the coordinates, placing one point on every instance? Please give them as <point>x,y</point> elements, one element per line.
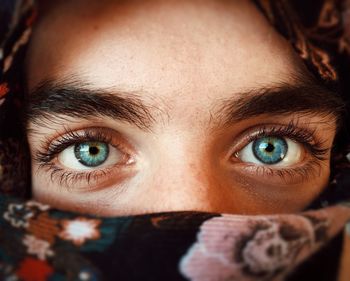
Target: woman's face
<point>146,106</point>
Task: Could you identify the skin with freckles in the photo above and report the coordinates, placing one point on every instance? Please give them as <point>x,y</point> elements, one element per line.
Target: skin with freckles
<point>183,60</point>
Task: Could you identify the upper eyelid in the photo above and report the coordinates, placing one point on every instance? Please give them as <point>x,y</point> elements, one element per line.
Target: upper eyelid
<point>50,148</point>
<point>66,176</point>
<point>307,138</point>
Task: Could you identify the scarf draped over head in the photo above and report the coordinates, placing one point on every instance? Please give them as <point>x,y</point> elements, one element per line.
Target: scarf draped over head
<point>40,243</point>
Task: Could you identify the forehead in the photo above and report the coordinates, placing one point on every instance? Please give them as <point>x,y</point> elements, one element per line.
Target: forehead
<point>162,47</point>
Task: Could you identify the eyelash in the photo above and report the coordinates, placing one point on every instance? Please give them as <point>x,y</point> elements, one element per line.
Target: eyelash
<point>307,138</point>
<point>50,150</point>
<point>70,138</point>
<point>66,178</point>
<point>303,136</point>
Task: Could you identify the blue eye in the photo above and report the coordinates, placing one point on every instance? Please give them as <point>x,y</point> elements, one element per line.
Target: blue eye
<point>91,154</point>
<point>270,150</point>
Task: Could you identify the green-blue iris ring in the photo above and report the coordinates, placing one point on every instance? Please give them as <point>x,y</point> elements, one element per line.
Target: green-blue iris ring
<point>91,154</point>
<point>270,150</point>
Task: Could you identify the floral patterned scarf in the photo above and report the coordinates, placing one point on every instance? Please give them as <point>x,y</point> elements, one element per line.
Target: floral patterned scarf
<point>40,243</point>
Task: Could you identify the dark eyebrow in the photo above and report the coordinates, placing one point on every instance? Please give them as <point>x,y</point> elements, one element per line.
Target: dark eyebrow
<point>75,99</point>
<point>284,99</point>
<point>72,99</point>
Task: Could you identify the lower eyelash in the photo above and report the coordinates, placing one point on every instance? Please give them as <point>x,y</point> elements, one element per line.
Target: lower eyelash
<point>69,178</point>
<point>303,173</point>
<point>299,173</point>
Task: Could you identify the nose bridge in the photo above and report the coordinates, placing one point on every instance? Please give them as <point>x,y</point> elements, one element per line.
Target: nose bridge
<point>184,154</point>
<point>185,175</point>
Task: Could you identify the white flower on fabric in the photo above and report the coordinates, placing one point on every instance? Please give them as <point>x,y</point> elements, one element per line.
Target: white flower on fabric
<point>80,229</point>
<point>348,156</point>
<point>37,205</point>
<point>18,215</point>
<point>38,247</point>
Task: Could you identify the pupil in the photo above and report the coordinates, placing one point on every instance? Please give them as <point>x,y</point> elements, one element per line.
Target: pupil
<point>93,150</point>
<point>270,147</point>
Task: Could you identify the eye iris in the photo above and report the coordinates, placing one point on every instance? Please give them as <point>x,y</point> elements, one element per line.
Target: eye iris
<point>91,154</point>
<point>270,150</point>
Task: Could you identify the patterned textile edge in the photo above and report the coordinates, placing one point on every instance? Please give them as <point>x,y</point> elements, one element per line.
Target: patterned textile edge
<point>16,19</point>
<point>40,243</point>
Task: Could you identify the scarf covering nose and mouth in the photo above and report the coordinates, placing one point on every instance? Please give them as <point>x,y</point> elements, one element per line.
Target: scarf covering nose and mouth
<point>40,243</point>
